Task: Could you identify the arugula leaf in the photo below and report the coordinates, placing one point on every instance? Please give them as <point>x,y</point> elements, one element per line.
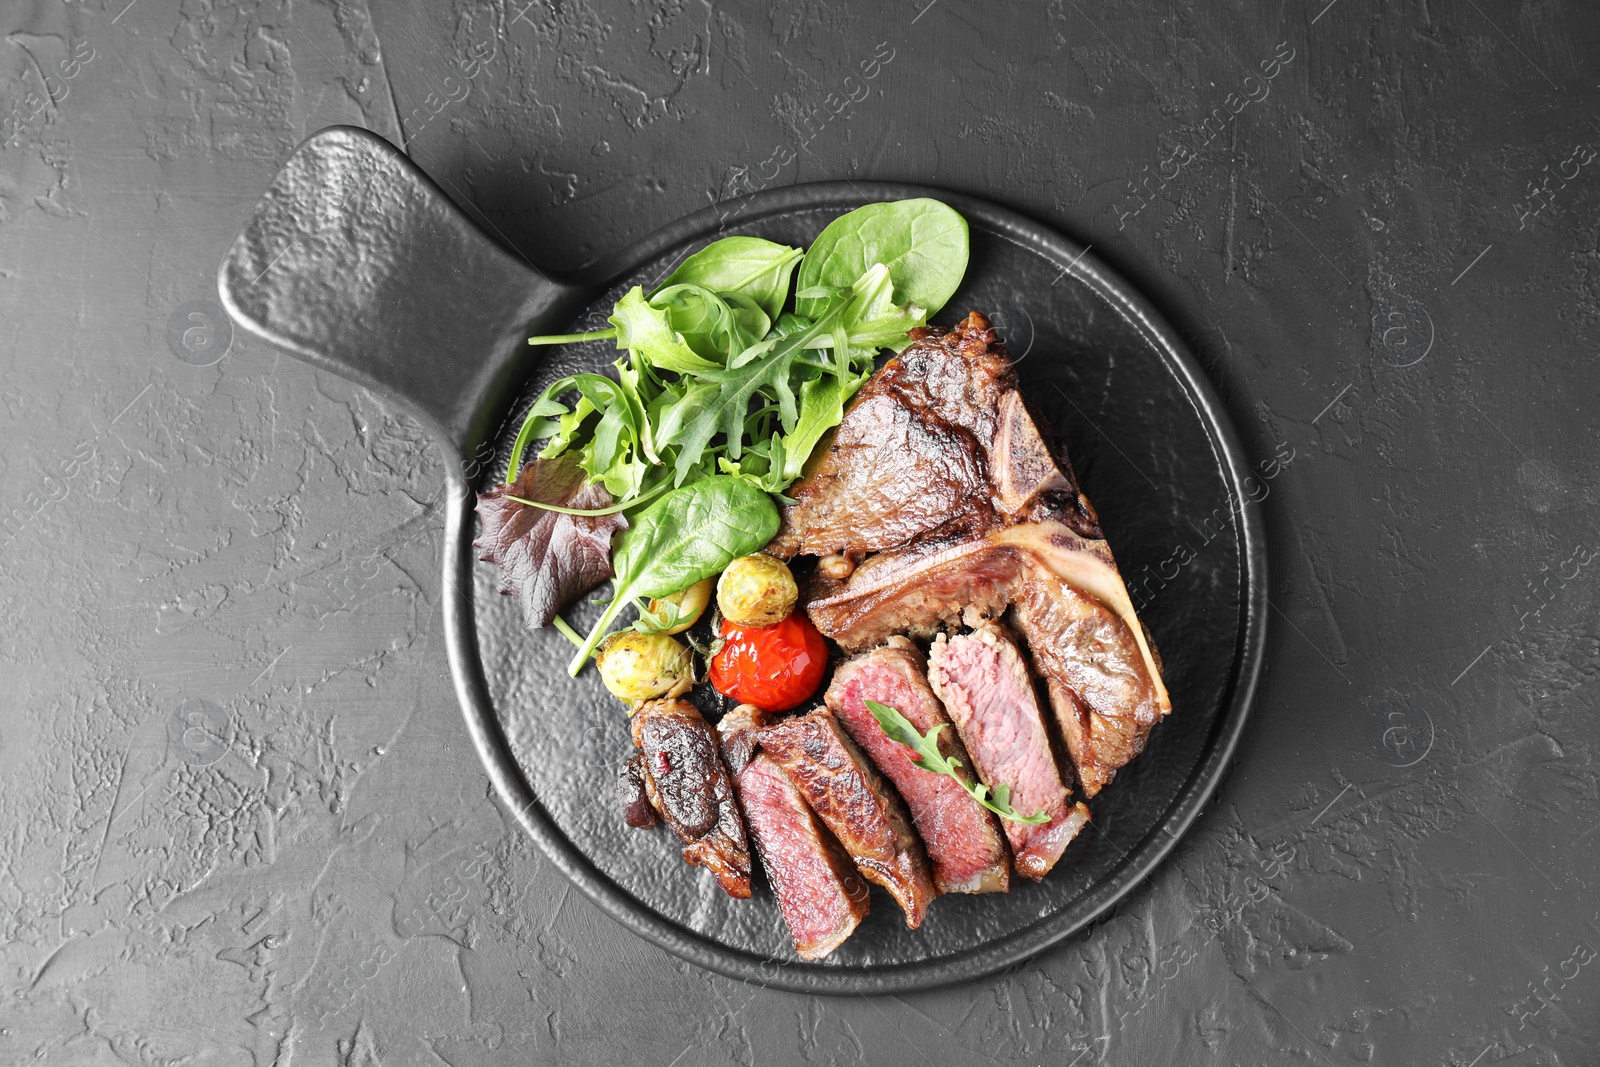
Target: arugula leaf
<point>768,366</point>
<point>922,242</point>
<point>742,266</point>
<point>720,404</point>
<point>689,534</point>
<point>653,622</point>
<point>648,332</point>
<point>929,758</point>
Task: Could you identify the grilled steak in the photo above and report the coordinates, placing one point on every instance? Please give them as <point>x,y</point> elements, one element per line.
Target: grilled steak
<point>688,785</point>
<point>907,461</point>
<point>983,681</point>
<point>938,443</point>
<point>820,895</point>
<point>1105,695</point>
<point>1071,607</point>
<point>855,802</point>
<point>964,843</point>
<point>1024,535</point>
<point>739,735</point>
<point>887,477</point>
<point>637,810</point>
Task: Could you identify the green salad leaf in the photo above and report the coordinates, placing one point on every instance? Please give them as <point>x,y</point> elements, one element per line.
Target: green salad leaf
<point>922,242</point>
<point>645,328</point>
<point>689,534</point>
<point>714,324</point>
<point>743,266</point>
<point>929,758</point>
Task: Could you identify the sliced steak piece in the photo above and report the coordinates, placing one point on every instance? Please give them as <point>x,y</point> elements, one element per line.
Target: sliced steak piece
<point>637,810</point>
<point>821,896</point>
<point>855,802</point>
<point>1106,699</point>
<point>919,591</point>
<point>983,681</point>
<point>964,842</point>
<point>688,785</point>
<point>1072,608</point>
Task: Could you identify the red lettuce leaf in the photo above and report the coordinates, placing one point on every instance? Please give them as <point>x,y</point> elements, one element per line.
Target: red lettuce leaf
<point>548,559</point>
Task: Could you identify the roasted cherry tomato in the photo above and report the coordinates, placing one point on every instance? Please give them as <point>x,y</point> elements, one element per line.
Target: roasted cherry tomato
<point>774,667</point>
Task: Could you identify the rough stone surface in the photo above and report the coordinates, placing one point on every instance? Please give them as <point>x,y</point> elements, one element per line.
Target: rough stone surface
<point>244,822</point>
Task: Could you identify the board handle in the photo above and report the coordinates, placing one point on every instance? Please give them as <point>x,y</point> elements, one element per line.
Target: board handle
<point>357,263</point>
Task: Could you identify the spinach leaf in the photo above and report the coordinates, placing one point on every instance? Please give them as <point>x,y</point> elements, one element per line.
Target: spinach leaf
<point>743,266</point>
<point>693,533</point>
<point>922,242</point>
<point>689,534</point>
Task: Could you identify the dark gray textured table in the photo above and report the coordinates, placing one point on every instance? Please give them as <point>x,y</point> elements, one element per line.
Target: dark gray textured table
<point>1376,224</point>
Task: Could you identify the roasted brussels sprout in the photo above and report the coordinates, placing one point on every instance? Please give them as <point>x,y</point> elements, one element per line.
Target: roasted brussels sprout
<point>756,590</point>
<point>636,666</point>
<point>685,606</point>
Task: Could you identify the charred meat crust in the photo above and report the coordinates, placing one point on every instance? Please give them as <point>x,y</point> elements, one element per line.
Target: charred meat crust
<point>890,475</point>
<point>852,799</point>
<point>739,735</point>
<point>689,786</point>
<point>637,810</point>
<point>939,443</point>
<point>908,459</point>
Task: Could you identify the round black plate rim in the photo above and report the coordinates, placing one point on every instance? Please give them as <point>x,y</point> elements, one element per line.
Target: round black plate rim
<point>1138,861</point>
